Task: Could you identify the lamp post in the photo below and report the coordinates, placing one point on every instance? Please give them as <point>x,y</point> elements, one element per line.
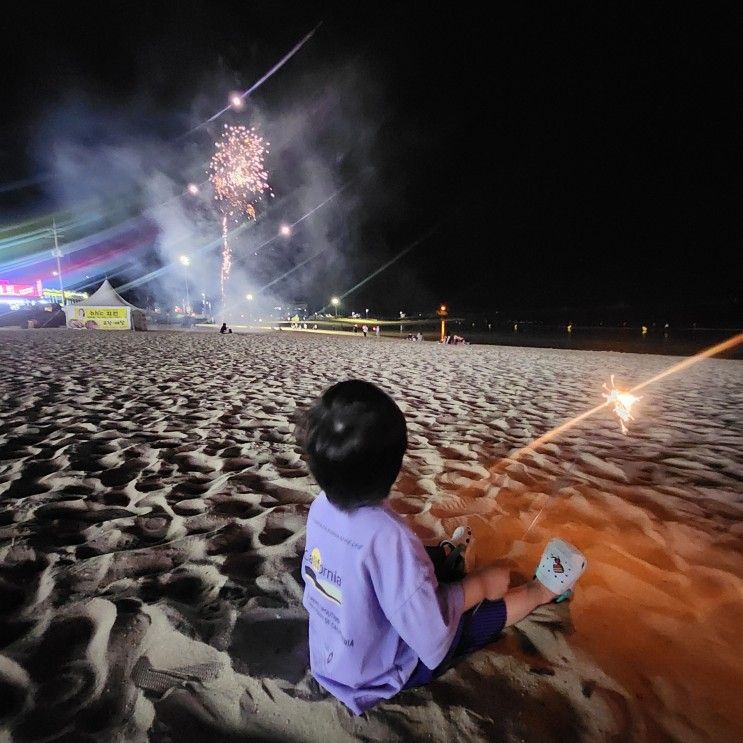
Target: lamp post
<point>335,302</point>
<point>249,297</point>
<point>186,261</point>
<point>285,230</point>
<point>57,253</point>
<point>443,312</point>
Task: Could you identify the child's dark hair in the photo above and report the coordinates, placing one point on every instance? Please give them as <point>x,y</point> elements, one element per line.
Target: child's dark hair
<point>355,438</point>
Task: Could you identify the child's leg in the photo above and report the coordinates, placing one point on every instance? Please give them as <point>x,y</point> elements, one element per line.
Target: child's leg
<point>521,601</point>
<point>437,556</point>
<point>447,556</point>
<point>484,623</point>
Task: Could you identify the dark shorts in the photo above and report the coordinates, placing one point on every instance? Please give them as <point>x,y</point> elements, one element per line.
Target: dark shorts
<point>477,628</point>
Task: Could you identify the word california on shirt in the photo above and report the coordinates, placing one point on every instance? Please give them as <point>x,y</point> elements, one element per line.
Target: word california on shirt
<point>374,604</point>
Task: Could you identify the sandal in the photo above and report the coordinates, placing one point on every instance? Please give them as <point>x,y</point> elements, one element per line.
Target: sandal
<point>454,568</point>
<point>559,569</point>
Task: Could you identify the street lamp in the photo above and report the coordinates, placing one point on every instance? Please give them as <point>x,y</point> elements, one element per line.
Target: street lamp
<point>193,189</point>
<point>285,230</point>
<point>335,302</point>
<point>236,101</point>
<point>443,312</point>
<point>186,261</point>
<point>249,297</point>
<point>57,253</point>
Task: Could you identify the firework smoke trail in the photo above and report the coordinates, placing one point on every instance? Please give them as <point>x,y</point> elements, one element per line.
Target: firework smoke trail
<point>259,82</point>
<point>226,259</point>
<point>239,178</point>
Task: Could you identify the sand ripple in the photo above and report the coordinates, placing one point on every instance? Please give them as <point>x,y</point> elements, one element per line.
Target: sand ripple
<point>152,507</point>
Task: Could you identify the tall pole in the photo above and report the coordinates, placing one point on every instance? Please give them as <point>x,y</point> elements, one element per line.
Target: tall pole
<point>186,261</point>
<point>57,253</point>
<point>188,296</point>
<point>443,312</point>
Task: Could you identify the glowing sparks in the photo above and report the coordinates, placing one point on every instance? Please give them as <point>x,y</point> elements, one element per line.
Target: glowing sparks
<point>238,175</point>
<point>622,402</point>
<point>237,171</point>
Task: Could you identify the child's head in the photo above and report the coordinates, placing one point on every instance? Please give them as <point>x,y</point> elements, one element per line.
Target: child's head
<point>355,437</point>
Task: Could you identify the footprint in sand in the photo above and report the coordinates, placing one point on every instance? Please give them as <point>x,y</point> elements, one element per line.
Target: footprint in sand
<point>232,538</point>
<point>25,487</point>
<point>123,474</point>
<point>276,535</point>
<point>242,567</point>
<point>67,669</point>
<point>154,526</point>
<point>271,643</point>
<point>24,585</point>
<point>125,645</point>
<point>15,691</point>
<point>242,507</point>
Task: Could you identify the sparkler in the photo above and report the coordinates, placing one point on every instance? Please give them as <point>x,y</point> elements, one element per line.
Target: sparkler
<point>238,175</point>
<point>622,401</point>
<point>689,361</point>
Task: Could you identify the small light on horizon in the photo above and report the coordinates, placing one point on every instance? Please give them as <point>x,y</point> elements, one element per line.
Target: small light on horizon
<point>193,189</point>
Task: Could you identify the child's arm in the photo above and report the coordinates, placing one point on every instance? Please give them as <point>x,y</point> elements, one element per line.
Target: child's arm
<point>490,583</point>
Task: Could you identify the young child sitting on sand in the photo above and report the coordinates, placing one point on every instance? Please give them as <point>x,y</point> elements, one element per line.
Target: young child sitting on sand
<point>379,620</point>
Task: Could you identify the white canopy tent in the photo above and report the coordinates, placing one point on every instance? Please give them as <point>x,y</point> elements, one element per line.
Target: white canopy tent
<point>106,309</point>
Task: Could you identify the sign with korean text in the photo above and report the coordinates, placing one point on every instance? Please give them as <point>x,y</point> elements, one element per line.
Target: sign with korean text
<point>98,318</point>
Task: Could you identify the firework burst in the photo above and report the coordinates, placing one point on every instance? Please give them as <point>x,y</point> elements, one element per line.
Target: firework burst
<point>238,176</point>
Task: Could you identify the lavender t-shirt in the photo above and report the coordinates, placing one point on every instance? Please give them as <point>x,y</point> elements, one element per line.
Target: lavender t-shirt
<point>374,603</point>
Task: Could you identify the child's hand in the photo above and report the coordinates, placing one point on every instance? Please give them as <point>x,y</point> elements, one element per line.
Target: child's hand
<point>495,582</point>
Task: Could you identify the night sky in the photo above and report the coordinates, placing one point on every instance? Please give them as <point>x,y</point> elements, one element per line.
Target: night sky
<point>583,160</point>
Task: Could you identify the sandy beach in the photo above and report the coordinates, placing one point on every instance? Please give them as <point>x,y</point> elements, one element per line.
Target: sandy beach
<point>152,508</point>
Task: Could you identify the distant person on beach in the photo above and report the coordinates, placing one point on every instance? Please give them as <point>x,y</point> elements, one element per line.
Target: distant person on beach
<point>223,329</point>
<point>376,330</point>
<point>365,330</point>
<point>385,613</point>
